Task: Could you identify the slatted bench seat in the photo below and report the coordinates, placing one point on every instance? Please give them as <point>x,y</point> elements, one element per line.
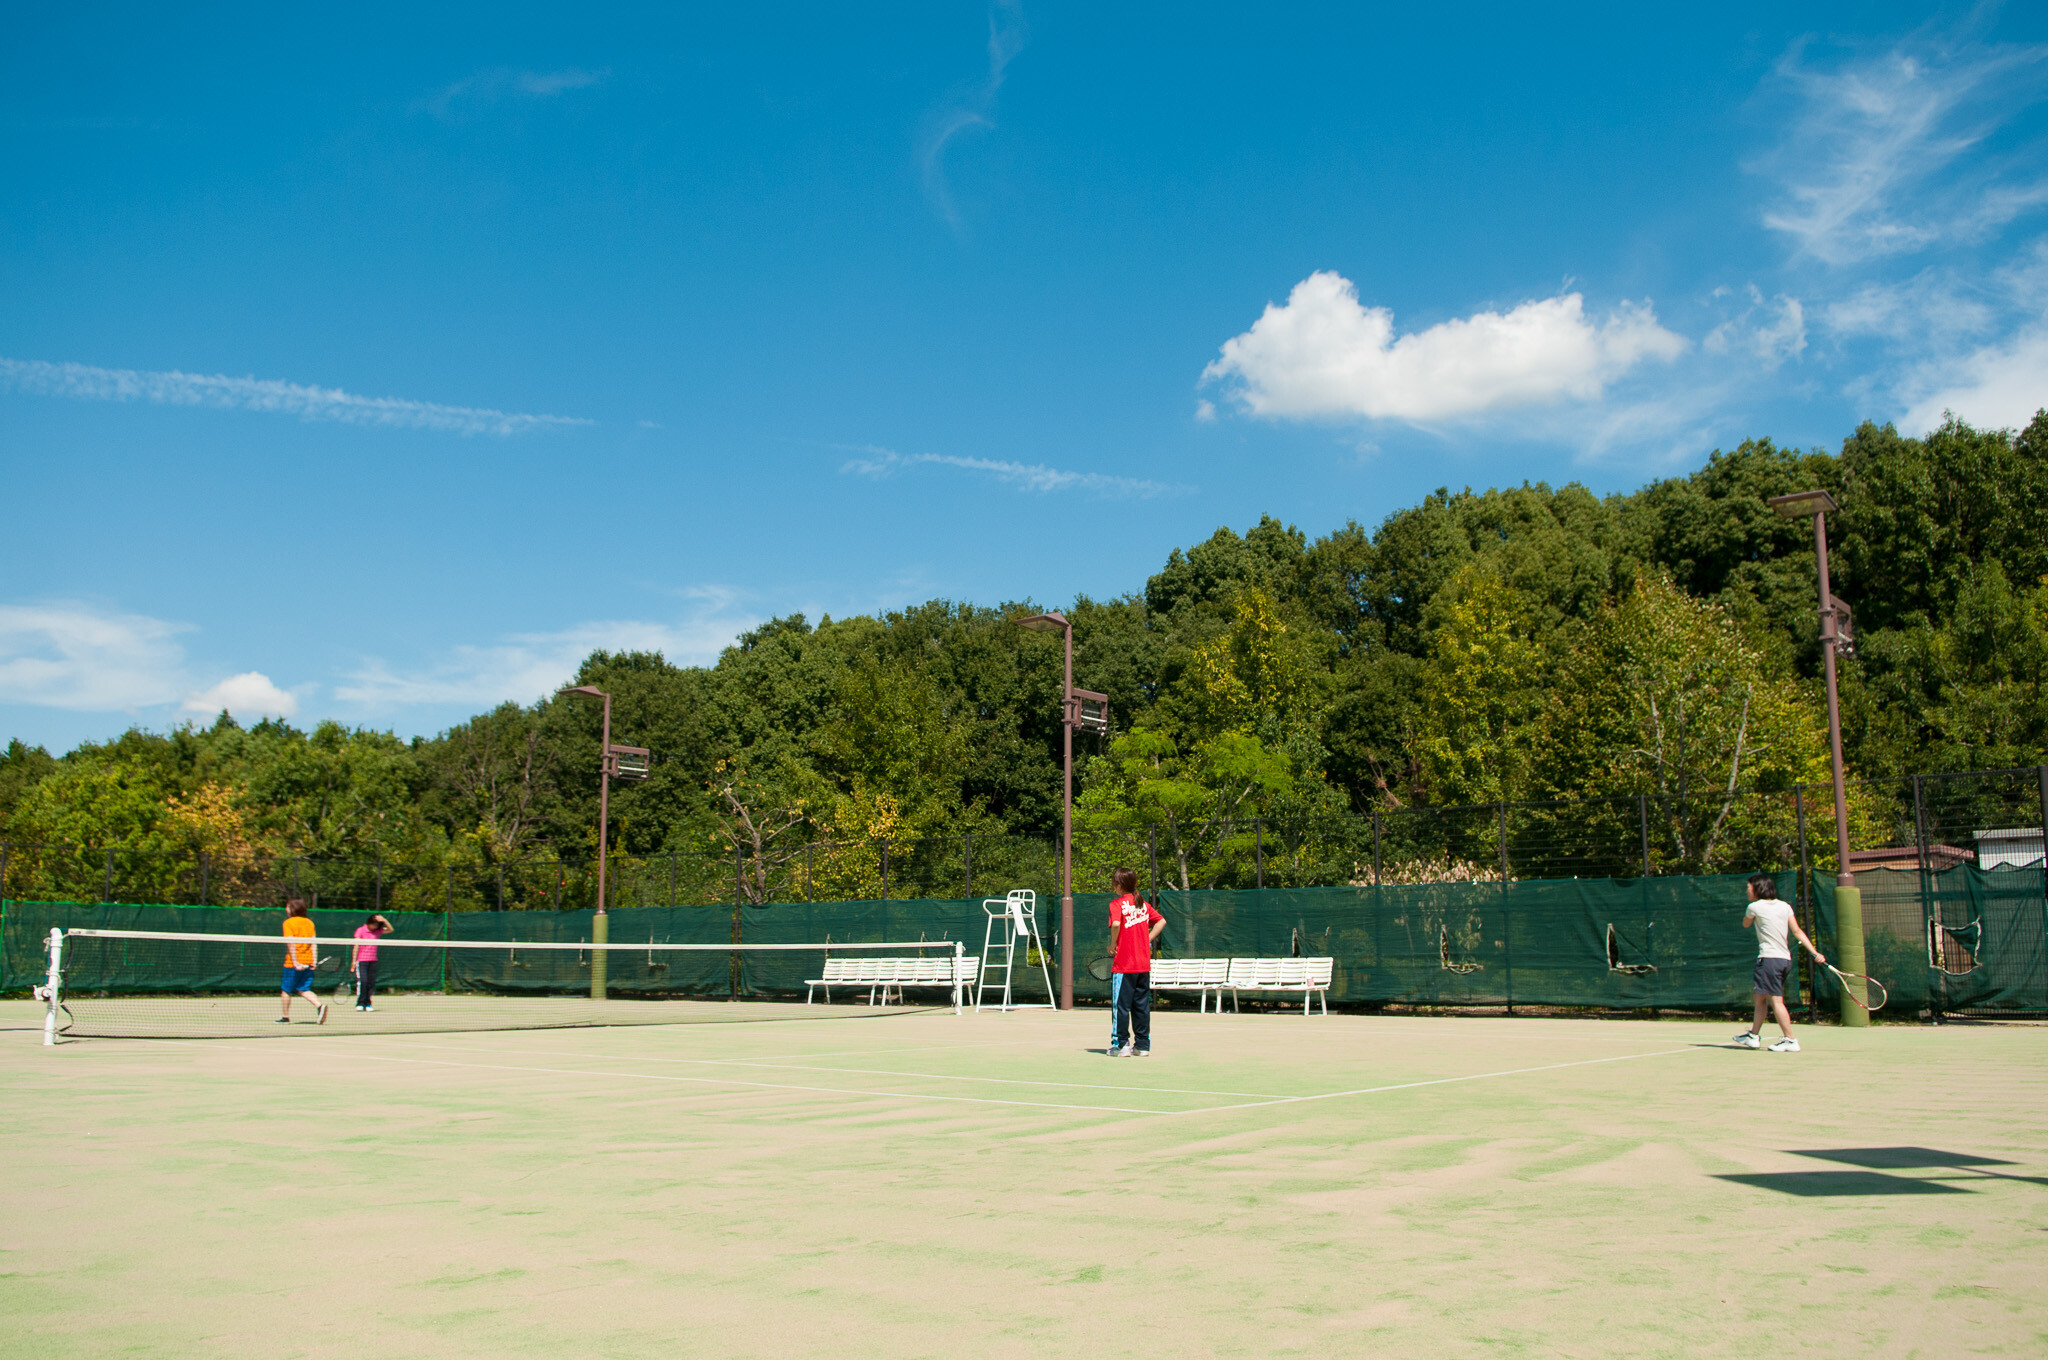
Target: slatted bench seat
<point>1310,977</point>
<point>881,976</point>
<point>1192,975</point>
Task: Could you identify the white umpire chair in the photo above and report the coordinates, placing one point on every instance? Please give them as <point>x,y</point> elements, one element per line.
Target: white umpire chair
<point>1012,927</point>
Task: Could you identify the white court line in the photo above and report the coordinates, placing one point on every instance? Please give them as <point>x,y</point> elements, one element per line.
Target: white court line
<point>1435,1081</point>
<point>1029,1104</point>
<point>848,1071</point>
<point>754,1085</point>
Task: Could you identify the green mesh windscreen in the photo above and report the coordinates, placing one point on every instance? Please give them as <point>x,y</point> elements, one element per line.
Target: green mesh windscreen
<point>1671,942</point>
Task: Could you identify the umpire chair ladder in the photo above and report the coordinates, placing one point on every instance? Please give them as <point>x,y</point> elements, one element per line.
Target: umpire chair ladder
<point>1012,925</point>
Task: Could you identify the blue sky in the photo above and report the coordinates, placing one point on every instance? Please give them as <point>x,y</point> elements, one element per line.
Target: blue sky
<point>378,364</point>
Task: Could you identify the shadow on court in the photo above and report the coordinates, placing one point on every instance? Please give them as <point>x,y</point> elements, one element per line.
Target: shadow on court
<point>1814,1184</point>
<point>1874,1182</point>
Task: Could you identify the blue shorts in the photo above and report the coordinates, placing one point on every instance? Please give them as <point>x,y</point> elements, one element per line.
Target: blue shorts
<point>297,980</point>
<point>1770,976</point>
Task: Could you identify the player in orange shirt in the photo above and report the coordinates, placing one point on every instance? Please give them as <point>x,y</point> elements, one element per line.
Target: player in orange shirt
<point>299,962</point>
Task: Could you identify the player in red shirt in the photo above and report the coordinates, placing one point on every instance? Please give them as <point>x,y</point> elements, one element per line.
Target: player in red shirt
<point>1133,926</point>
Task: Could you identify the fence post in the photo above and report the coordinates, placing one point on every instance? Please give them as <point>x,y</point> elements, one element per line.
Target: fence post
<point>1806,896</point>
<point>1507,915</point>
<point>1643,820</point>
<point>2044,834</point>
<point>1927,909</point>
<point>1375,846</point>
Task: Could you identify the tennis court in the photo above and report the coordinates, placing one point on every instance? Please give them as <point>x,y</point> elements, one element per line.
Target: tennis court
<point>929,1184</point>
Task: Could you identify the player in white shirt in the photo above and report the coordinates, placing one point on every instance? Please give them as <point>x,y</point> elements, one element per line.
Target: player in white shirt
<point>1774,922</point>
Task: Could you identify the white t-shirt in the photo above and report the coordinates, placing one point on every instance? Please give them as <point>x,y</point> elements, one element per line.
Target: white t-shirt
<point>1772,919</point>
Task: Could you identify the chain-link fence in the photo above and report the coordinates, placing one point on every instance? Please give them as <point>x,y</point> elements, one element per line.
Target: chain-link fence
<point>1925,824</point>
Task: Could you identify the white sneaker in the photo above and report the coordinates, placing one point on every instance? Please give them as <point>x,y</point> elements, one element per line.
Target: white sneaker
<point>1748,1040</point>
<point>369,1008</point>
<point>1114,1051</point>
<point>1786,1045</point>
<point>323,1014</point>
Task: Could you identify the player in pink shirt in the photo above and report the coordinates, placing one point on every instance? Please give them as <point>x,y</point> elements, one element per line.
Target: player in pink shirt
<point>363,963</point>
<point>1133,926</point>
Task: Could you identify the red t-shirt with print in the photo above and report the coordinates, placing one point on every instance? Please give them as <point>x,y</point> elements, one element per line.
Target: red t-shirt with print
<point>1132,921</point>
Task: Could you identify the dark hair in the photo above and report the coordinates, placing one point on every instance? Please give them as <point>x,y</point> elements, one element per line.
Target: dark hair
<point>1126,881</point>
<point>1765,885</point>
<point>374,919</point>
<point>295,906</point>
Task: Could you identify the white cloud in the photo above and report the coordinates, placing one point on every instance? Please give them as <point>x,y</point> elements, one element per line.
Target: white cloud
<point>880,462</point>
<point>1996,387</point>
<point>1324,355</point>
<point>171,388</point>
<point>970,108</point>
<point>1887,155</point>
<point>248,695</point>
<point>528,666</point>
<point>1775,336</point>
<point>487,87</point>
<point>1932,306</point>
<point>75,656</point>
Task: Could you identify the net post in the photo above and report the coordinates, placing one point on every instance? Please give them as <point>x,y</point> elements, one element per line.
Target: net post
<point>600,958</point>
<point>56,980</point>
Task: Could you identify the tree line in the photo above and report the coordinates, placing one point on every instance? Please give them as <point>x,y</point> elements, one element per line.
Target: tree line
<point>1501,646</point>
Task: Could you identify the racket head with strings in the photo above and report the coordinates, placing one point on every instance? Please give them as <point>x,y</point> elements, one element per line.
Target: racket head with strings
<point>1099,969</point>
<point>1874,990</point>
<point>327,963</point>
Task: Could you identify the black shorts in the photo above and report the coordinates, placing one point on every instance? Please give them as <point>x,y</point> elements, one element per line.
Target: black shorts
<point>1770,976</point>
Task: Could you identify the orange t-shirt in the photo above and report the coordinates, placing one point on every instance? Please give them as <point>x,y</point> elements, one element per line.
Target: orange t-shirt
<point>299,955</point>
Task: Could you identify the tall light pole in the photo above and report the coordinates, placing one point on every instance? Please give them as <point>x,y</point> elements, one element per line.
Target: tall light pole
<point>1836,636</point>
<point>614,762</point>
<point>1078,708</point>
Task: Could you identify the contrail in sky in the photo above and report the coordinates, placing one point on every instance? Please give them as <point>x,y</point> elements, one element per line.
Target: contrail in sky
<point>83,382</point>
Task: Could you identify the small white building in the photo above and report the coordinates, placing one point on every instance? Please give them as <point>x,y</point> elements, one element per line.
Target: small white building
<point>2015,846</point>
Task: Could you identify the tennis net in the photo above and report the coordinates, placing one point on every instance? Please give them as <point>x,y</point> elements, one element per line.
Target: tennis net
<point>174,985</point>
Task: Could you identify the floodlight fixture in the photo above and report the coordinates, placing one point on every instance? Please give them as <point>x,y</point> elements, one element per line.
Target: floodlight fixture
<point>1800,504</point>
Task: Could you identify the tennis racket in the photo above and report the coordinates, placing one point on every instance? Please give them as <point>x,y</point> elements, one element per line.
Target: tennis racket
<point>1872,988</point>
<point>1099,968</point>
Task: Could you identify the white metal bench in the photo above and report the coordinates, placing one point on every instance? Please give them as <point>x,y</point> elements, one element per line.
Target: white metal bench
<point>1202,976</point>
<point>881,976</point>
<point>1310,977</point>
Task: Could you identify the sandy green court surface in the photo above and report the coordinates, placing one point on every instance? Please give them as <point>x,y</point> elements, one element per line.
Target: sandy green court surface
<point>926,1185</point>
